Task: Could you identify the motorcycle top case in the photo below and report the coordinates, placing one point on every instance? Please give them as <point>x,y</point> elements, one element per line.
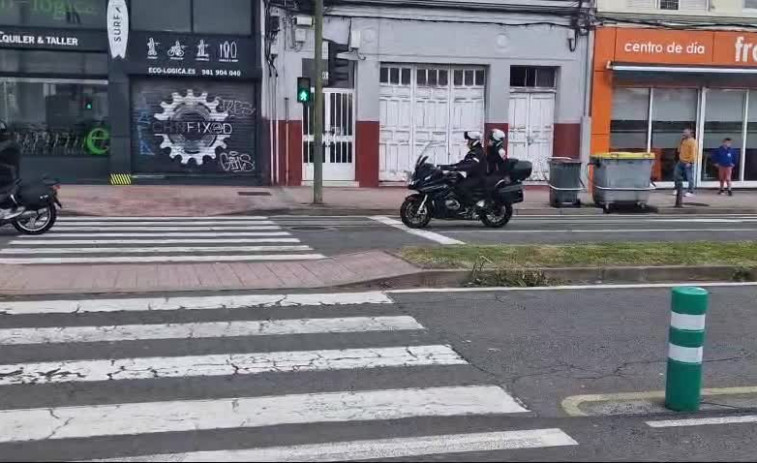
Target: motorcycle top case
<point>521,170</point>
<point>35,195</point>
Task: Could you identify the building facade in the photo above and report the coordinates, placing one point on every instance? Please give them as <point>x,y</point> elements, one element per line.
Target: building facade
<point>676,65</point>
<point>424,72</point>
<point>163,90</point>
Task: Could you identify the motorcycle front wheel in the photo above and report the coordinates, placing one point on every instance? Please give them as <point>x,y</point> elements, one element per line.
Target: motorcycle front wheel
<point>498,216</point>
<point>411,214</point>
<point>36,222</point>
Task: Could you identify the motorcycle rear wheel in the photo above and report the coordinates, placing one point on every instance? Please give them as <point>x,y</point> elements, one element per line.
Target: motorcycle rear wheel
<point>498,217</point>
<point>410,214</point>
<point>40,222</point>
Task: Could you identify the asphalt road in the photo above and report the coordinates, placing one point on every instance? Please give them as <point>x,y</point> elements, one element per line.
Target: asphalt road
<point>416,376</point>
<point>198,239</point>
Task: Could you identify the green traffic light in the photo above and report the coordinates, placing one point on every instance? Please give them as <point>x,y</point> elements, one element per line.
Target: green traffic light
<point>304,96</point>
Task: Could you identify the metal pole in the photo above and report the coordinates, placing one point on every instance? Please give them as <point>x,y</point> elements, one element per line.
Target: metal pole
<point>318,107</point>
<point>683,388</point>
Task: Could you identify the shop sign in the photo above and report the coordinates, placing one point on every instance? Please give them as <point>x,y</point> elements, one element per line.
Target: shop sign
<point>183,55</point>
<point>118,28</point>
<point>657,46</point>
<point>51,39</point>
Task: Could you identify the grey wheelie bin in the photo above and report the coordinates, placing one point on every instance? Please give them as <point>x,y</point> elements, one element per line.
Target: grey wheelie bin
<point>564,182</point>
<point>621,179</point>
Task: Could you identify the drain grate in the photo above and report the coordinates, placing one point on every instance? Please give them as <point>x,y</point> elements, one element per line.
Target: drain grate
<point>253,193</point>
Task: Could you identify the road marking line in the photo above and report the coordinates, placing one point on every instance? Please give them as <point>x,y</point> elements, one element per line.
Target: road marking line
<point>153,249</point>
<point>154,259</point>
<point>48,242</point>
<point>225,364</point>
<point>608,230</point>
<point>703,421</point>
<point>160,218</point>
<point>572,288</point>
<point>379,449</point>
<point>572,405</point>
<point>64,228</point>
<point>21,425</point>
<point>237,301</point>
<point>429,235</point>
<point>54,235</point>
<point>223,223</point>
<point>112,333</point>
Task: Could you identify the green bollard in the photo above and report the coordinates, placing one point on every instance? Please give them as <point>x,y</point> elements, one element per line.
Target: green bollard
<point>683,389</point>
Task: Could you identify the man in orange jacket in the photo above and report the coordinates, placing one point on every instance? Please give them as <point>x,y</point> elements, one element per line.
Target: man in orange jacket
<point>688,152</point>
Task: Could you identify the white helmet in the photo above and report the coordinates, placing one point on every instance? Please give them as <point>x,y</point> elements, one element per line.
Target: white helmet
<point>497,135</point>
<point>473,136</point>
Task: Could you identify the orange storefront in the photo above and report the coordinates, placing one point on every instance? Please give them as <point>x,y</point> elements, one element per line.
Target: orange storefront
<point>650,84</point>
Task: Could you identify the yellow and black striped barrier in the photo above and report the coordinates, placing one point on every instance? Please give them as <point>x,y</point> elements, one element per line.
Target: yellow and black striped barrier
<point>120,179</point>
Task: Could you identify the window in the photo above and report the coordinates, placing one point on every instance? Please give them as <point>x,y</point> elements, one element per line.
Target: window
<point>630,119</point>
<point>88,14</point>
<point>222,17</point>
<point>202,16</point>
<point>532,77</point>
<point>750,4</point>
<point>723,118</point>
<point>57,117</point>
<point>668,4</point>
<point>673,110</point>
<point>52,62</point>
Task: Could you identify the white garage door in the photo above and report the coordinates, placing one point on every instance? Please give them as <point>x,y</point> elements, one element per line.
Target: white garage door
<point>421,104</point>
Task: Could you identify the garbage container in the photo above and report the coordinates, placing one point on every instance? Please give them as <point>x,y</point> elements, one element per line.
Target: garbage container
<point>622,179</point>
<point>564,182</point>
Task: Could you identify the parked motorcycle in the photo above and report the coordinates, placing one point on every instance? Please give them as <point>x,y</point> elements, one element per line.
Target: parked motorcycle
<point>36,206</point>
<point>436,197</point>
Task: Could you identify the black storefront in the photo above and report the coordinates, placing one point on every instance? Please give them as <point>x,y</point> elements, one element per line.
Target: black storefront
<point>163,91</point>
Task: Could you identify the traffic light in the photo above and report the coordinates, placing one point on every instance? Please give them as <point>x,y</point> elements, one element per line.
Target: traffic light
<point>339,68</point>
<point>303,90</point>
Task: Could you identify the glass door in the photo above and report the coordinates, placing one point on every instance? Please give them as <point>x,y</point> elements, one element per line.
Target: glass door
<point>723,117</point>
<point>673,110</point>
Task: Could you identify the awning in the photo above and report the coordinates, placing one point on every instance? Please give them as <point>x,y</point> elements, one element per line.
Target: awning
<point>680,69</point>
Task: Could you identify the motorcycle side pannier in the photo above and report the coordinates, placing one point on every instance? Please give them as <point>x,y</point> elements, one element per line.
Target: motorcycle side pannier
<point>520,171</point>
<point>510,194</point>
<point>34,196</point>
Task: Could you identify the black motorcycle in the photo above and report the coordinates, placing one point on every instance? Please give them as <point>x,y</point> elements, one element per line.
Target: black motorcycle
<point>437,199</point>
<point>35,206</point>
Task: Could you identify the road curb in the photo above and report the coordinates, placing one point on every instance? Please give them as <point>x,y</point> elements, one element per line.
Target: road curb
<point>445,278</point>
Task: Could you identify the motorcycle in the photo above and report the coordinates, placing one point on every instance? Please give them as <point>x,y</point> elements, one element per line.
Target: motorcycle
<point>36,205</point>
<point>436,197</point>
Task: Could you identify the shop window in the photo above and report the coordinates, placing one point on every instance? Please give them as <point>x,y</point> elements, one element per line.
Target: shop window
<point>750,4</point>
<point>630,119</point>
<point>87,14</point>
<point>750,162</point>
<point>532,77</point>
<point>724,118</point>
<point>163,15</point>
<point>673,110</point>
<point>52,62</point>
<point>57,117</point>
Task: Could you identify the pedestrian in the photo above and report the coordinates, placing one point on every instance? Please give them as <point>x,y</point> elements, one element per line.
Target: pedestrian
<point>725,160</point>
<point>688,152</point>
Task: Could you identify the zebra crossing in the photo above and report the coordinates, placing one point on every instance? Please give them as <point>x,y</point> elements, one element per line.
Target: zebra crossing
<point>123,240</point>
<point>271,377</point>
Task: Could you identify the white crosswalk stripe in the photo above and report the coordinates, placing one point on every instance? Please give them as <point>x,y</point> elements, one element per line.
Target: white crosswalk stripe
<point>356,333</point>
<point>114,240</point>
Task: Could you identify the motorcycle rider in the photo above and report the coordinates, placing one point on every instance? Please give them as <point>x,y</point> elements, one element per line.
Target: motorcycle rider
<point>10,158</point>
<point>496,154</point>
<point>474,167</point>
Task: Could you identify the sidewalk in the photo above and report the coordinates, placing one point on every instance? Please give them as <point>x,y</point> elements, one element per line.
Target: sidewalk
<point>172,200</point>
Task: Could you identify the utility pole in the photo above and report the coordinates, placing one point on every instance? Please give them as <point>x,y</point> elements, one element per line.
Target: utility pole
<point>318,107</point>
